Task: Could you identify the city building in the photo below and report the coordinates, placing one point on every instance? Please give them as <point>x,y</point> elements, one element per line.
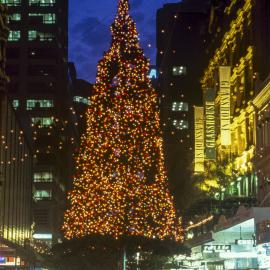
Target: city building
<point>38,70</point>
<point>238,64</point>
<point>181,30</point>
<point>15,175</point>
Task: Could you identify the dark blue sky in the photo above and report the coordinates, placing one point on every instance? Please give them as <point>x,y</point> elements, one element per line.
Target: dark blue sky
<point>89,34</point>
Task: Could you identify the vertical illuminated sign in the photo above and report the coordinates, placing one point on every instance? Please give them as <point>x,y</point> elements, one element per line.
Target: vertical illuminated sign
<point>199,139</point>
<point>210,124</point>
<point>225,105</point>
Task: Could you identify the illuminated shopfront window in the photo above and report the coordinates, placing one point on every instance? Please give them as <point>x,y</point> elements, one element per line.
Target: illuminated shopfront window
<point>47,18</point>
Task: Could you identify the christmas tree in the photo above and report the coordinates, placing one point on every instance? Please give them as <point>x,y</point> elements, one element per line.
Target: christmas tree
<point>121,186</point>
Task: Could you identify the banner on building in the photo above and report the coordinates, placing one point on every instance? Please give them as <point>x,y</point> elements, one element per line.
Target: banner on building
<point>210,123</point>
<point>225,104</point>
<point>199,139</point>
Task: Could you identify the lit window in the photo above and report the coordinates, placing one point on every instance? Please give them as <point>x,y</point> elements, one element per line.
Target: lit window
<point>47,18</point>
<point>38,103</point>
<point>42,195</point>
<point>42,121</point>
<point>153,73</point>
<point>15,104</point>
<point>14,35</point>
<point>179,71</point>
<point>180,124</point>
<point>46,177</point>
<point>179,106</point>
<point>34,35</point>
<point>81,100</point>
<point>42,3</point>
<point>11,2</point>
<point>14,17</point>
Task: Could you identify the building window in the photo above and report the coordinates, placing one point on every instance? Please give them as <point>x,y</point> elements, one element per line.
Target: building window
<point>14,17</point>
<point>153,73</point>
<point>47,18</point>
<point>42,195</point>
<point>179,71</point>
<point>83,100</point>
<point>179,106</point>
<point>180,124</point>
<point>15,104</point>
<point>11,2</point>
<point>14,35</point>
<point>46,177</point>
<point>34,35</point>
<point>42,3</point>
<point>42,121</point>
<point>38,103</point>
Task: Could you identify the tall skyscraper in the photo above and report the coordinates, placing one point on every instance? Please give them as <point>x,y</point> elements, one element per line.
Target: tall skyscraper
<point>181,30</point>
<point>37,66</point>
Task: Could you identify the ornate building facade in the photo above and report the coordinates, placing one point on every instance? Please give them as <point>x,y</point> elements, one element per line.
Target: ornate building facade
<point>238,46</point>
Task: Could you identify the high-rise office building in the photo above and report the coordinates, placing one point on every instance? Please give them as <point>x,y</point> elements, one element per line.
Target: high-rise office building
<point>37,67</point>
<point>181,29</point>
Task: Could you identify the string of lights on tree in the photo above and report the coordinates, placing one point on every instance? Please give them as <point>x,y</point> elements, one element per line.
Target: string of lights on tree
<point>120,187</point>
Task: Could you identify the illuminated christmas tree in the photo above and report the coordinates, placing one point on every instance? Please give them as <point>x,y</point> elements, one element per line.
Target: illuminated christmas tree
<point>121,186</point>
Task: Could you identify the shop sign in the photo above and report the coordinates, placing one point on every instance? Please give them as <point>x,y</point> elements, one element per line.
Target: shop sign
<point>216,248</point>
<point>244,241</point>
<point>199,139</point>
<point>210,123</point>
<point>225,104</point>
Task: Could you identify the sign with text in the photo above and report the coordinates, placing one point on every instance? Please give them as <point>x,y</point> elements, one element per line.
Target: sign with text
<point>225,104</point>
<point>210,123</point>
<point>199,139</point>
<point>244,242</point>
<point>216,248</point>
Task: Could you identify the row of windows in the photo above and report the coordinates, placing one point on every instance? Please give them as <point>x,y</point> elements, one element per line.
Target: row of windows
<point>178,106</point>
<point>83,100</point>
<point>45,177</point>
<point>47,18</point>
<point>42,121</point>
<point>33,35</point>
<point>41,3</point>
<point>34,103</point>
<point>42,195</point>
<point>180,124</point>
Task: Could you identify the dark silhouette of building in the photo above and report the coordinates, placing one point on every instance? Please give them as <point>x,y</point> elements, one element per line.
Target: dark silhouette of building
<point>181,31</point>
<point>38,71</point>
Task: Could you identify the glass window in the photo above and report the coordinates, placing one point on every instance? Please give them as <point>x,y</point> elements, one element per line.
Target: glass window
<point>15,104</point>
<point>179,70</point>
<point>42,3</point>
<point>83,100</point>
<point>14,17</point>
<point>14,35</point>
<point>42,121</point>
<point>43,177</point>
<point>34,35</point>
<point>180,124</point>
<point>42,195</point>
<point>47,18</point>
<point>38,103</point>
<point>11,2</point>
<point>153,73</point>
<point>179,106</point>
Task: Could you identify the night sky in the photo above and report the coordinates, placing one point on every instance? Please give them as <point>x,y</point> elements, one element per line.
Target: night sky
<point>89,34</point>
